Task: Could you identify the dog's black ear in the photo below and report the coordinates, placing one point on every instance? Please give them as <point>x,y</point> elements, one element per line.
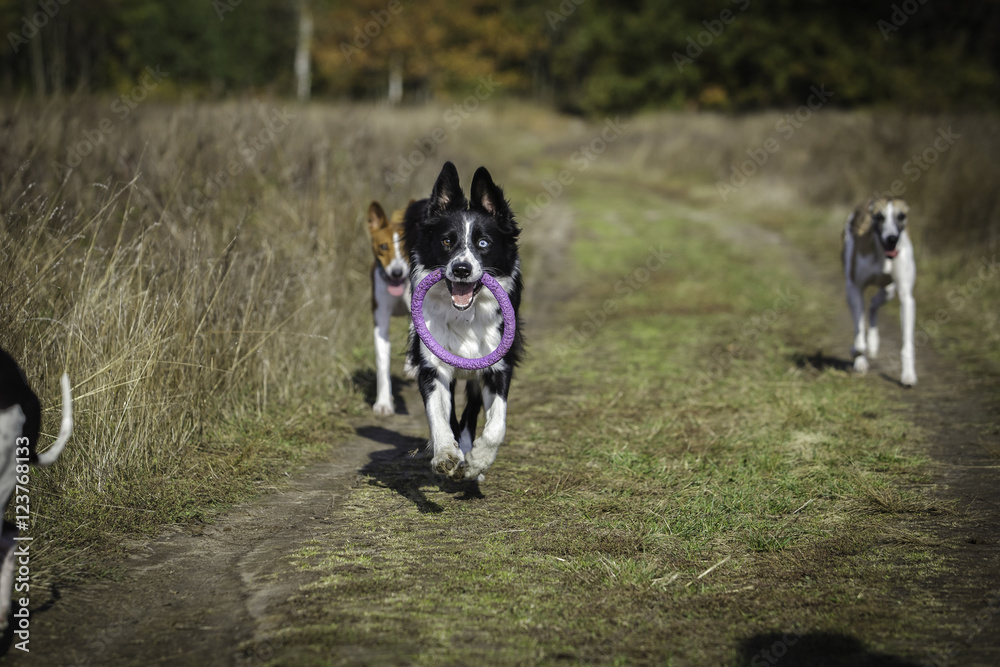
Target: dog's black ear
<point>447,194</point>
<point>488,196</point>
<point>376,217</point>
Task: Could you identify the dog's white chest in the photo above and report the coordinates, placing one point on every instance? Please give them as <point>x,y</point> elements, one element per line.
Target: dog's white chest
<point>469,333</point>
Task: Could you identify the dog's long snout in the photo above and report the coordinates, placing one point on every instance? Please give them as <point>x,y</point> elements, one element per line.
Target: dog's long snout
<point>461,270</point>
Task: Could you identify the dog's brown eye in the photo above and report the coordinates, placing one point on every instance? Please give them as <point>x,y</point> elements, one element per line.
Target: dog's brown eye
<point>879,218</point>
<point>901,217</point>
<point>384,246</point>
<point>446,242</point>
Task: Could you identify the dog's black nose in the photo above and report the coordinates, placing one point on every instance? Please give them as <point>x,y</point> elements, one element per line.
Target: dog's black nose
<point>890,242</point>
<point>462,270</point>
<point>396,273</point>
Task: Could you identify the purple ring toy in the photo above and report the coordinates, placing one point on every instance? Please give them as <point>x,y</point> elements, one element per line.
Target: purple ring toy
<point>509,323</point>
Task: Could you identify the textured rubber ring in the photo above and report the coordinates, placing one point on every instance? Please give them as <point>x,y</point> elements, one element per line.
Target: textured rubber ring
<point>509,323</point>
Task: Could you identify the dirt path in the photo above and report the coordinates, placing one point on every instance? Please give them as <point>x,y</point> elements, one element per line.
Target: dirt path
<point>209,596</point>
<point>196,596</point>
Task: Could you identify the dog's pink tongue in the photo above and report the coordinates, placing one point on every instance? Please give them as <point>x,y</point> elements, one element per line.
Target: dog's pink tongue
<point>396,290</point>
<point>461,294</point>
<point>891,253</point>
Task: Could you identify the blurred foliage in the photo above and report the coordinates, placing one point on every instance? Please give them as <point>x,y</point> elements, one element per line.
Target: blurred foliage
<point>589,56</point>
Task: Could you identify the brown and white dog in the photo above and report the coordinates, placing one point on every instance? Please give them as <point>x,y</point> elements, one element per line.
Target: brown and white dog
<point>20,422</point>
<point>878,253</point>
<point>390,294</point>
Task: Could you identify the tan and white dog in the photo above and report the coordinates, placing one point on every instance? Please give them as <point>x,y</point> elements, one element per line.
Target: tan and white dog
<point>878,253</point>
<point>390,294</point>
<point>20,422</point>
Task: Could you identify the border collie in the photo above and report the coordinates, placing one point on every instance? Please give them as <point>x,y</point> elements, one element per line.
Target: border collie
<point>877,252</point>
<point>465,239</point>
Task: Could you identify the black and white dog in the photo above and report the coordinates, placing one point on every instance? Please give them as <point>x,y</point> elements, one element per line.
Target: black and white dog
<point>465,239</point>
<point>20,422</point>
<point>878,253</point>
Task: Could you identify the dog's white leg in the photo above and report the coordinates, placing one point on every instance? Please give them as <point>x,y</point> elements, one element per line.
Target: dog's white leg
<point>384,304</point>
<point>904,277</point>
<point>437,403</point>
<point>907,317</point>
<point>383,379</point>
<point>878,301</point>
<point>485,448</point>
<point>855,300</point>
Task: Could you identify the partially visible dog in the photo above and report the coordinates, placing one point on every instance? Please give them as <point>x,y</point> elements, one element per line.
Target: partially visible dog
<point>464,238</point>
<point>878,253</point>
<point>20,422</point>
<point>390,294</point>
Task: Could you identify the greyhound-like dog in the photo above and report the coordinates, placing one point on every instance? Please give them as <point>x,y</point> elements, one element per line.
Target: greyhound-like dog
<point>877,252</point>
<point>20,422</point>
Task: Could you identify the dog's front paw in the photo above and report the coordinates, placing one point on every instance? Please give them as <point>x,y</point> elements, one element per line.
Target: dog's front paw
<point>383,409</point>
<point>449,463</point>
<point>908,379</point>
<point>860,364</point>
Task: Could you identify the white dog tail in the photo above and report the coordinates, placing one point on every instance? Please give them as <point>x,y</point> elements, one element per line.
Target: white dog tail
<point>49,456</point>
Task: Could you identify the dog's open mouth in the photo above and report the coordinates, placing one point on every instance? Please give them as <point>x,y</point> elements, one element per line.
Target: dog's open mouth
<point>462,294</point>
<point>891,254</point>
<point>395,287</point>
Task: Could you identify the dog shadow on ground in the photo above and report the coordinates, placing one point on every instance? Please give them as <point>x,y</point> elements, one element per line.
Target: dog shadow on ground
<point>364,382</point>
<point>405,468</point>
<point>821,362</point>
<point>817,649</point>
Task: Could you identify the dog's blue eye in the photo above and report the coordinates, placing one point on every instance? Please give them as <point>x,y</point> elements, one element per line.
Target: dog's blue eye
<point>483,243</point>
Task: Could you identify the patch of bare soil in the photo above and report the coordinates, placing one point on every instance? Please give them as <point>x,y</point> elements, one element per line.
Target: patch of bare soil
<point>200,596</point>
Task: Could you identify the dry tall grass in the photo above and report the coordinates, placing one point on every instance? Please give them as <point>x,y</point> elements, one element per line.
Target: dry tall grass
<point>199,264</point>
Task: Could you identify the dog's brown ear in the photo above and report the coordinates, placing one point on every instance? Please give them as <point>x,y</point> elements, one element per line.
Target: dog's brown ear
<point>376,217</point>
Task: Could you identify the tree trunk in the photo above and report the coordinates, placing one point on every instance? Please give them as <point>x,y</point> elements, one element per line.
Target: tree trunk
<point>395,81</point>
<point>303,83</point>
